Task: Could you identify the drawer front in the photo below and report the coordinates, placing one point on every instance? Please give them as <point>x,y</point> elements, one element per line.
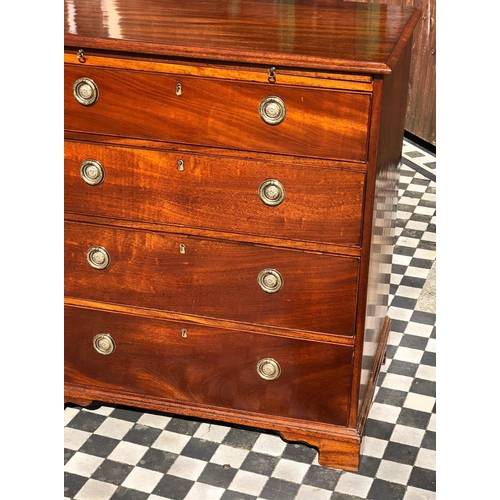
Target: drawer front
<point>208,366</point>
<point>232,281</point>
<point>209,112</point>
<point>306,203</point>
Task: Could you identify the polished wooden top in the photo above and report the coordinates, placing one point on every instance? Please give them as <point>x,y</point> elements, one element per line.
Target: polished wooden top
<point>310,34</point>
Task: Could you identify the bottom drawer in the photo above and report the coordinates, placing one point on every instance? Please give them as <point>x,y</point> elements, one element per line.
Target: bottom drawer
<point>208,366</point>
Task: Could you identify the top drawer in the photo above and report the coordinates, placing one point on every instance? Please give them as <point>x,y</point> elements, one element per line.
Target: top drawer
<point>319,123</point>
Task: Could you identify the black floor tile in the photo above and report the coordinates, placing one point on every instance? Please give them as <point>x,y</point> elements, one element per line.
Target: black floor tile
<point>378,429</point>
<point>199,448</point>
<point>158,460</point>
<point>300,453</point>
<point>173,487</point>
<point>384,490</point>
<point>320,477</point>
<point>278,489</point>
<point>424,387</point>
<point>414,418</point>
<point>112,472</point>
<point>429,440</point>
<point>86,421</point>
<point>241,438</point>
<point>401,453</point>
<point>183,426</point>
<point>260,463</point>
<point>390,397</point>
<point>404,368</point>
<point>423,478</point>
<point>73,484</point>
<point>100,446</point>
<point>142,434</point>
<point>216,475</point>
<point>123,493</point>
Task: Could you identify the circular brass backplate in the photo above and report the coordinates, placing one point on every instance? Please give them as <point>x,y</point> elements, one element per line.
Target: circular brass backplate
<point>272,110</point>
<point>104,344</point>
<point>98,257</point>
<point>85,91</point>
<point>92,172</point>
<point>270,280</point>
<point>271,192</point>
<point>268,369</point>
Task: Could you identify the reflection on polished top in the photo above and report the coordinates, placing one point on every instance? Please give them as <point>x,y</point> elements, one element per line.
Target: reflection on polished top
<point>317,34</point>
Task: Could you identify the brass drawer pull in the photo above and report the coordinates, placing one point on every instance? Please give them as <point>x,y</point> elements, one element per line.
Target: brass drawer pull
<point>271,192</point>
<point>92,172</point>
<point>272,110</point>
<point>98,257</point>
<point>268,369</point>
<point>104,344</point>
<point>270,280</point>
<point>85,91</point>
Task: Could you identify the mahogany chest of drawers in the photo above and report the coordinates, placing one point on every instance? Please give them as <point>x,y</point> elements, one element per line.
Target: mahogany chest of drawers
<point>231,175</point>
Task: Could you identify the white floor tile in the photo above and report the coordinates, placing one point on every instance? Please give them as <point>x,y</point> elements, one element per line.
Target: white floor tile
<point>114,428</point>
<point>309,493</point>
<point>269,444</point>
<point>187,467</point>
<point>407,435</point>
<point>96,490</point>
<point>156,421</point>
<point>386,413</point>
<point>419,402</point>
<point>413,493</point>
<point>248,482</point>
<point>426,459</point>
<point>83,464</point>
<point>229,455</point>
<point>128,453</point>
<point>419,329</point>
<point>171,441</point>
<point>142,479</point>
<point>408,354</point>
<point>201,491</point>
<point>212,432</point>
<point>394,472</point>
<point>69,414</point>
<point>289,470</point>
<point>426,372</point>
<point>354,484</point>
<point>400,313</point>
<point>397,382</point>
<point>74,438</point>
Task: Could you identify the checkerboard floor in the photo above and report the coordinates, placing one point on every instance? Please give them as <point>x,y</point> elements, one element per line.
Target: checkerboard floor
<point>116,453</point>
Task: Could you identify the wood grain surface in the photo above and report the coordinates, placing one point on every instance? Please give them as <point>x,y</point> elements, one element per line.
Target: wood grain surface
<point>208,366</point>
<point>333,35</point>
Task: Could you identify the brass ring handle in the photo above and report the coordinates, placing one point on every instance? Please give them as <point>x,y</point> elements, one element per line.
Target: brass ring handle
<point>272,110</point>
<point>92,172</point>
<point>268,369</point>
<point>98,257</point>
<point>270,280</point>
<point>271,192</point>
<point>85,91</point>
<point>104,344</point>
